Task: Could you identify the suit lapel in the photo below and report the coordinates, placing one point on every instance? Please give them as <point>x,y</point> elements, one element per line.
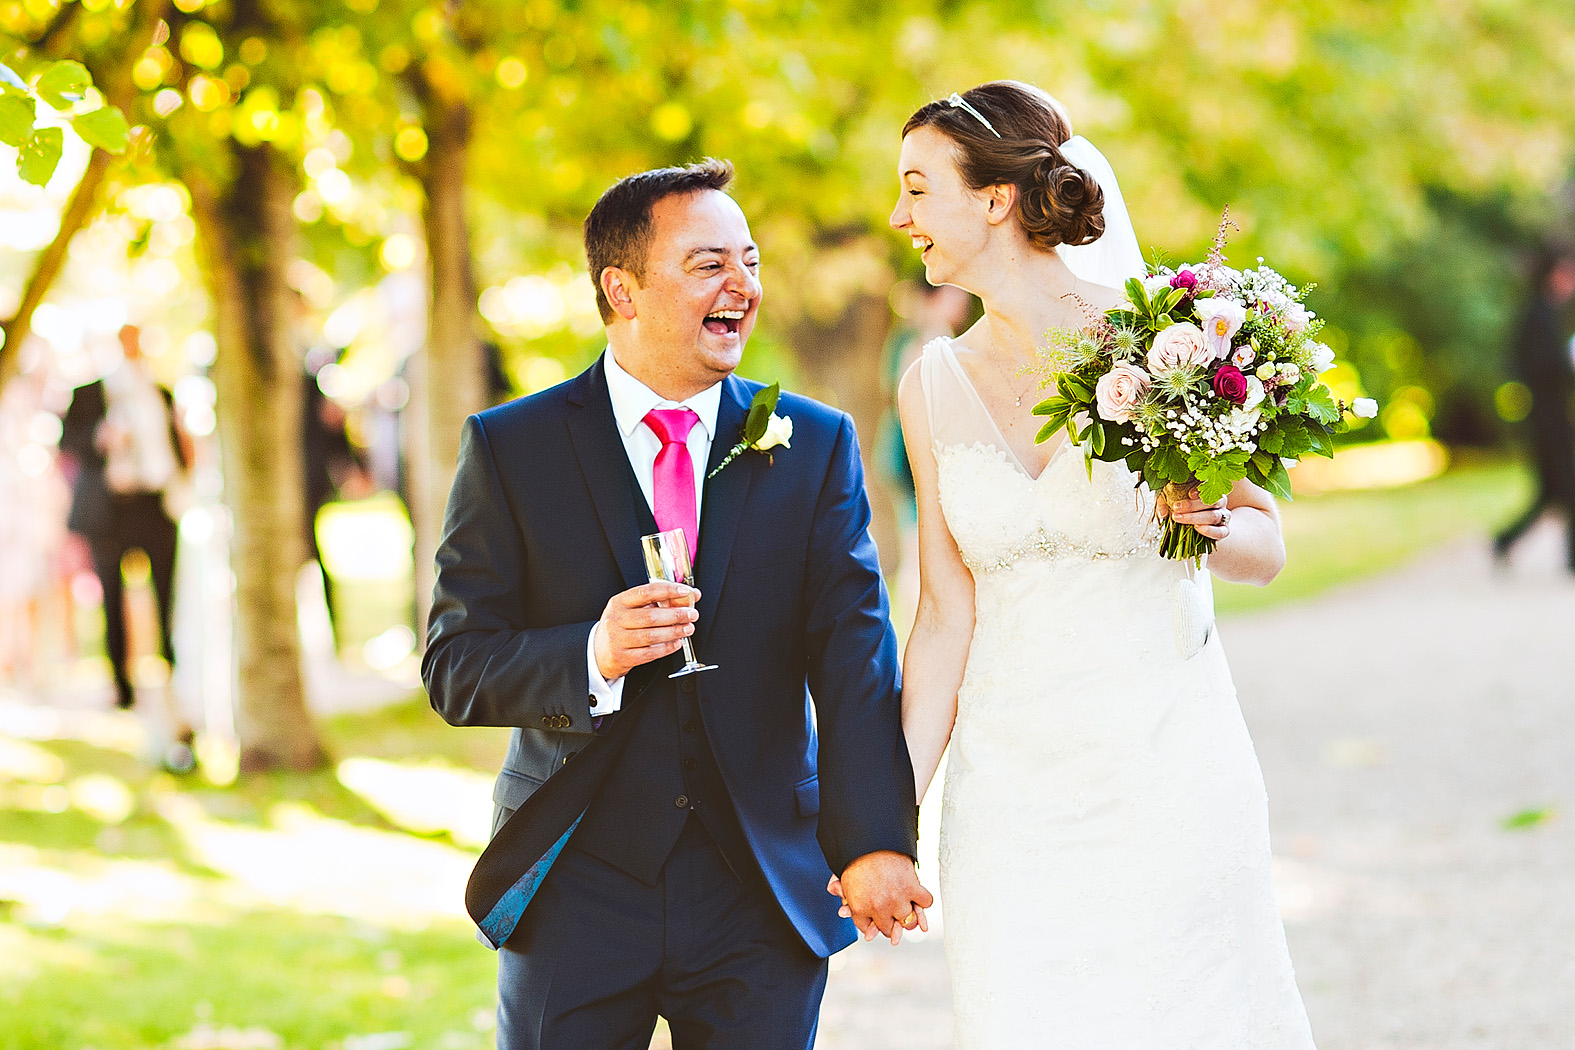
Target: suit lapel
<point>604,464</point>
<point>725,496</point>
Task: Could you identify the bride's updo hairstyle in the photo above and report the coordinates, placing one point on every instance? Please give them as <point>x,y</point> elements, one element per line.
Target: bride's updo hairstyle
<point>1057,203</point>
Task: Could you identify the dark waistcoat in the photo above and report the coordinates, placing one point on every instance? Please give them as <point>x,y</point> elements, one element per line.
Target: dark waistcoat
<point>667,771</point>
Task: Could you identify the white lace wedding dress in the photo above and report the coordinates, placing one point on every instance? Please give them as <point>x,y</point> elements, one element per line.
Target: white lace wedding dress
<point>1104,833</point>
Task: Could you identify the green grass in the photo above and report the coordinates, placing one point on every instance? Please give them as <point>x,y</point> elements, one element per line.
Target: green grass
<point>311,980</point>
<point>1342,537</point>
<point>118,982</point>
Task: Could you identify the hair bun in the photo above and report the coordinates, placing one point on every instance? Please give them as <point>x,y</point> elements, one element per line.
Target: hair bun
<point>1062,205</point>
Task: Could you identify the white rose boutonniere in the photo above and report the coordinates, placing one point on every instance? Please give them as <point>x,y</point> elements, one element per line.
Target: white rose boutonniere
<point>764,430</point>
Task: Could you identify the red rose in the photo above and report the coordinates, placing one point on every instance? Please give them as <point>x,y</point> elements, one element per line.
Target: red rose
<point>1230,384</point>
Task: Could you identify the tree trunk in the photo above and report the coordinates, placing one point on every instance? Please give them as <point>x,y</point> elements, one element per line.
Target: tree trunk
<point>446,378</point>
<point>844,359</point>
<point>248,238</point>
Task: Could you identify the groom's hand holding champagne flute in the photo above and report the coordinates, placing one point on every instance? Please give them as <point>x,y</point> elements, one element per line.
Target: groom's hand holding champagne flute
<point>642,624</point>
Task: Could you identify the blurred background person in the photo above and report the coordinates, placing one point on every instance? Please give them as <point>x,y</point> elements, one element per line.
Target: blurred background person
<point>129,456</point>
<point>33,526</point>
<point>1542,362</point>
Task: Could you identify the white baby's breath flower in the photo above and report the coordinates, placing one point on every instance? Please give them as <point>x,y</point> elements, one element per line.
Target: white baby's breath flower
<point>779,431</point>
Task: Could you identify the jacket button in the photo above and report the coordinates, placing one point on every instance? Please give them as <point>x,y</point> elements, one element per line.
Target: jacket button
<point>546,720</point>
<point>690,726</point>
<point>565,721</point>
<point>682,802</point>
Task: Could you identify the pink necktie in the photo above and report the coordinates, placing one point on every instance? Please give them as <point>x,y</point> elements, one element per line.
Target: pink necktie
<point>673,477</point>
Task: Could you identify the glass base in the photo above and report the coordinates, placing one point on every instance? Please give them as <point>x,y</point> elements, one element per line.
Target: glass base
<point>691,667</point>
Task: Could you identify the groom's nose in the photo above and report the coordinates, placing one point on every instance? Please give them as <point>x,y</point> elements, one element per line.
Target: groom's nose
<point>742,281</point>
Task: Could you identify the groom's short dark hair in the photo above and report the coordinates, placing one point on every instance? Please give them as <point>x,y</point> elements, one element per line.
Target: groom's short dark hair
<point>618,229</point>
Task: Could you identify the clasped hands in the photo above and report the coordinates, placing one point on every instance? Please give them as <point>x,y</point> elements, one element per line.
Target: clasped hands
<point>882,894</point>
<point>1181,503</point>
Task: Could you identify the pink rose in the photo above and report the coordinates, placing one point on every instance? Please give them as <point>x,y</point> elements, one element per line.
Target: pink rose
<point>1119,392</point>
<point>1180,344</point>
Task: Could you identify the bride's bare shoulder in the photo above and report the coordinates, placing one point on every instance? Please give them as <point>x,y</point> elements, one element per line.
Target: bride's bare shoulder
<point>1102,298</point>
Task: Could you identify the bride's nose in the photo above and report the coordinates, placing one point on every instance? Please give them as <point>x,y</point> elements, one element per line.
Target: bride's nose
<point>899,214</point>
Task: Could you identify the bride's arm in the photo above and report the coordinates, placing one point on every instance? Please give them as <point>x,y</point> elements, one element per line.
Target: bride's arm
<point>932,666</point>
<point>1249,547</point>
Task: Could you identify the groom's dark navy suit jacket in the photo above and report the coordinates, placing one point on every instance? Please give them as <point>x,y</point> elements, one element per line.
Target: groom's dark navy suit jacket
<point>543,527</point>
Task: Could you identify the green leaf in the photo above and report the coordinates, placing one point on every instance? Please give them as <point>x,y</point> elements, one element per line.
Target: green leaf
<point>105,128</point>
<point>1528,818</point>
<point>1051,405</point>
<point>1136,295</point>
<point>1320,441</point>
<point>1321,405</point>
<point>760,410</point>
<point>1048,430</point>
<point>1074,388</point>
<point>10,83</point>
<point>1172,300</point>
<point>37,159</point>
<point>16,120</point>
<point>1099,438</point>
<point>64,84</point>
<point>1278,480</point>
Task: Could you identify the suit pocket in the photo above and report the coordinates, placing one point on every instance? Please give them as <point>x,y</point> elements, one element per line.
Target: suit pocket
<point>511,789</point>
<point>807,794</point>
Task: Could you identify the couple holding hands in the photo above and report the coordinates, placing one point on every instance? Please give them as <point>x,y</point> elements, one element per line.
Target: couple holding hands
<point>664,846</point>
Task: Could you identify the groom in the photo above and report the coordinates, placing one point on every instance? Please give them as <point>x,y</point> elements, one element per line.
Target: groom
<point>662,846</point>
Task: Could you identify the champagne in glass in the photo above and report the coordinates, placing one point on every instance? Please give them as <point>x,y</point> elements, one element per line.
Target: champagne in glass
<point>667,559</point>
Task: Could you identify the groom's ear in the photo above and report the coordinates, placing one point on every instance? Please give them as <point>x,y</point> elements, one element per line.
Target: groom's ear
<point>617,286</point>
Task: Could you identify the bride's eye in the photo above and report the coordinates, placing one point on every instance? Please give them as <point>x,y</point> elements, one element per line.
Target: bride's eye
<point>915,192</point>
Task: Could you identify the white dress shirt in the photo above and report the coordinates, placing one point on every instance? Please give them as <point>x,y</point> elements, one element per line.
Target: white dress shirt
<point>631,400</point>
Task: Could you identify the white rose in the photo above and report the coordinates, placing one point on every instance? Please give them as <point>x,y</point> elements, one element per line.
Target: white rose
<point>1160,282</point>
<point>1365,407</point>
<point>1242,420</point>
<point>1254,394</point>
<point>779,431</point>
<point>1119,392</point>
<point>1221,319</point>
<point>1243,356</point>
<point>1322,358</point>
<point>1180,344</point>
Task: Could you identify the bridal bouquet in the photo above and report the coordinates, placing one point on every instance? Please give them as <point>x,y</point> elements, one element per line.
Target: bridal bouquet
<point>1207,375</point>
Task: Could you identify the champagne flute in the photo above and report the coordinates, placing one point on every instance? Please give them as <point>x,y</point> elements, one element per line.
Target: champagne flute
<point>667,559</point>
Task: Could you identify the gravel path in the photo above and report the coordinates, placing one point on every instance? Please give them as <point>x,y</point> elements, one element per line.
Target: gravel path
<point>1400,723</point>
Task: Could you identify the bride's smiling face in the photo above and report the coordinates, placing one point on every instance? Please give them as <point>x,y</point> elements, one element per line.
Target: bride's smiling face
<point>948,222</point>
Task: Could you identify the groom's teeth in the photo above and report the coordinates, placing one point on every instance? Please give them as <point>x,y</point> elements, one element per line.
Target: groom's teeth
<point>731,315</point>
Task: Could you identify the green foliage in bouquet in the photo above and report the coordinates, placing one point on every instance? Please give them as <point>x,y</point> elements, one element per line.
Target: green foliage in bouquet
<point>1206,376</point>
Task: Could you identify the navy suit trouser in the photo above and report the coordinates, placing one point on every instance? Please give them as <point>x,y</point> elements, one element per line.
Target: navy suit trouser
<point>600,954</point>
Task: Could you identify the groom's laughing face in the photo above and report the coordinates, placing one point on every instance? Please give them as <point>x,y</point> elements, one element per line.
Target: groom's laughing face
<point>697,303</point>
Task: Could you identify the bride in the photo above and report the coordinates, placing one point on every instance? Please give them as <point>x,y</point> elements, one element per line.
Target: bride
<point>1104,836</point>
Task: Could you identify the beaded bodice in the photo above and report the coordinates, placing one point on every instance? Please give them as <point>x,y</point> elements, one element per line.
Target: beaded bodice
<point>1000,515</point>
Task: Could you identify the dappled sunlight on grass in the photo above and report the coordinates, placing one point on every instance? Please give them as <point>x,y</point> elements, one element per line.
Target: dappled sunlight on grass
<point>427,798</point>
<point>320,866</point>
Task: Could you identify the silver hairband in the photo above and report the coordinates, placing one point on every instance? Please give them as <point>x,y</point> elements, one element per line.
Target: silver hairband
<point>958,102</point>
